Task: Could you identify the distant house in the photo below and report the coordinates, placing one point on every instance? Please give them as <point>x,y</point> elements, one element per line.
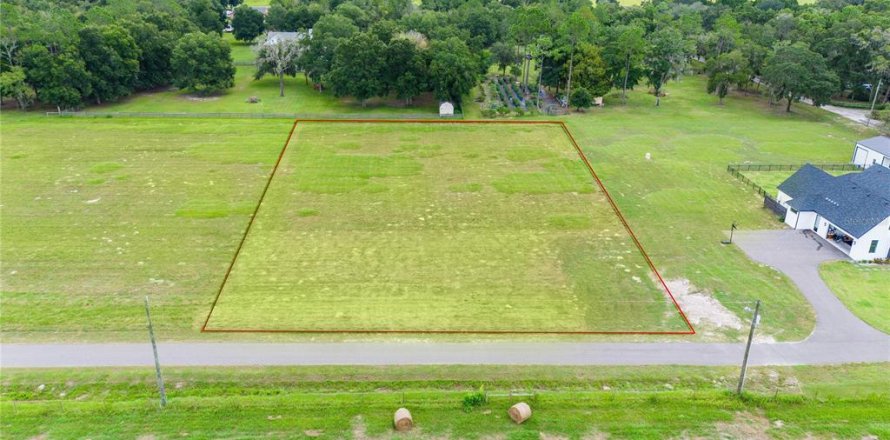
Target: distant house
<point>275,37</point>
<point>872,151</point>
<point>261,9</point>
<point>852,211</point>
<point>446,108</point>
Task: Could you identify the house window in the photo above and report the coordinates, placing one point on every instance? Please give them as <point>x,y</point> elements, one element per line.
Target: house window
<point>873,247</point>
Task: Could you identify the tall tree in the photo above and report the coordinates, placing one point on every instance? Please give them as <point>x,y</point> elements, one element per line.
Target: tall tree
<point>452,71</point>
<point>794,71</point>
<point>504,55</point>
<point>59,79</point>
<point>111,56</point>
<point>14,86</point>
<point>527,24</point>
<point>208,15</point>
<point>202,63</point>
<point>405,71</point>
<point>277,56</point>
<point>725,71</point>
<point>576,29</point>
<point>591,71</point>
<point>327,34</point>
<point>247,23</point>
<point>155,48</point>
<point>665,57</point>
<point>624,53</point>
<point>358,67</point>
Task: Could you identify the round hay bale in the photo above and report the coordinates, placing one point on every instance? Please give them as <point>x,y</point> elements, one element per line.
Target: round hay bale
<point>520,412</point>
<point>402,420</point>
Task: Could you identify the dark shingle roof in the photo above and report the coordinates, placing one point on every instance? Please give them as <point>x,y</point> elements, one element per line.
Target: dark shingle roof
<point>854,202</point>
<point>881,144</point>
<point>804,179</point>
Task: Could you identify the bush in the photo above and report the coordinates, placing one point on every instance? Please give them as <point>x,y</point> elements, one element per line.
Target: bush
<point>475,400</point>
<point>882,115</point>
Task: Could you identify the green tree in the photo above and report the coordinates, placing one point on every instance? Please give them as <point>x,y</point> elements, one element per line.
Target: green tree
<point>590,73</point>
<point>664,58</point>
<point>277,57</point>
<point>576,29</point>
<point>155,48</point>
<point>527,24</point>
<point>405,71</point>
<point>202,63</point>
<point>624,54</point>
<point>59,79</point>
<point>452,71</point>
<point>504,55</point>
<point>793,71</point>
<point>208,15</point>
<point>111,56</point>
<point>247,23</point>
<point>581,98</point>
<point>14,86</point>
<point>725,71</point>
<point>327,34</point>
<point>357,69</point>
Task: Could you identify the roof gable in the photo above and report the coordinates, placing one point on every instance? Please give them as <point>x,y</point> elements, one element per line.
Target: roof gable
<point>881,144</point>
<point>854,202</point>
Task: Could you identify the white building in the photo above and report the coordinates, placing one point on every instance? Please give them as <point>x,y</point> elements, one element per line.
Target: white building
<point>872,151</point>
<point>446,109</point>
<point>852,211</point>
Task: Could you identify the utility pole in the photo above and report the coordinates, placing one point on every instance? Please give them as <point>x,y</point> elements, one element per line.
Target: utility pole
<point>873,101</point>
<point>154,348</point>
<point>748,348</point>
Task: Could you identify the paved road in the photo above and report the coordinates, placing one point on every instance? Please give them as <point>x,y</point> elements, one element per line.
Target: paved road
<point>840,337</point>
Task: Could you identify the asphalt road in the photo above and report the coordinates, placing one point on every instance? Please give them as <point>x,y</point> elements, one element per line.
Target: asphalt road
<point>840,337</point>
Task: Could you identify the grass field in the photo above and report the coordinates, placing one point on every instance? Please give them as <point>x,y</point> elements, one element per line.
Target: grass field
<point>432,227</point>
<point>863,289</point>
<point>188,185</point>
<point>99,212</point>
<point>682,201</point>
<point>357,402</point>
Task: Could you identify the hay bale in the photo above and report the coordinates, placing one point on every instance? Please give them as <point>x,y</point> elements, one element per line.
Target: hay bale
<point>520,412</point>
<point>402,420</point>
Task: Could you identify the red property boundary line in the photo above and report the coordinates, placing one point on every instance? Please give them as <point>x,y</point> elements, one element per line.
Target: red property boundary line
<point>565,129</point>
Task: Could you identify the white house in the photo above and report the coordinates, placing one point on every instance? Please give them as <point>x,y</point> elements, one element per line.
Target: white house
<point>275,37</point>
<point>872,151</point>
<point>852,211</point>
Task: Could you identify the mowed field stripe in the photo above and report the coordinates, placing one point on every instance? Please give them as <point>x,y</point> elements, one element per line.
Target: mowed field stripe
<point>662,285</point>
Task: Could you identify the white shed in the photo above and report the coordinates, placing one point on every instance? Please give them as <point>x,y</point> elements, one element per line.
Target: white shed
<point>872,151</point>
<point>446,108</point>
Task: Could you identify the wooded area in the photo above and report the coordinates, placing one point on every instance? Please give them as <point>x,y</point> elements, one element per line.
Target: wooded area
<point>68,54</point>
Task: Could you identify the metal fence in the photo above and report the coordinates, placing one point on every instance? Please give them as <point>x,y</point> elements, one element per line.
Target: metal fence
<point>791,167</point>
<point>226,115</point>
<point>774,206</point>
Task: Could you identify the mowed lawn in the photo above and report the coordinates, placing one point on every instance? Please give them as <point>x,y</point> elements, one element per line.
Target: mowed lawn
<point>682,202</point>
<point>847,401</point>
<point>863,288</point>
<point>435,227</point>
<point>98,213</point>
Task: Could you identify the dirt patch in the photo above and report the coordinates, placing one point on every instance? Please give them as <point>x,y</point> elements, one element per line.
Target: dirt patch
<point>200,98</point>
<point>313,432</point>
<point>146,437</point>
<point>704,310</point>
<point>746,426</point>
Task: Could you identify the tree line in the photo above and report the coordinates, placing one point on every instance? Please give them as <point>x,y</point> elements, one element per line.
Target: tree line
<point>68,53</point>
<point>831,49</point>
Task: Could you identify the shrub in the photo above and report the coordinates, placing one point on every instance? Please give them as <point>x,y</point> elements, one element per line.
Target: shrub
<point>475,399</point>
